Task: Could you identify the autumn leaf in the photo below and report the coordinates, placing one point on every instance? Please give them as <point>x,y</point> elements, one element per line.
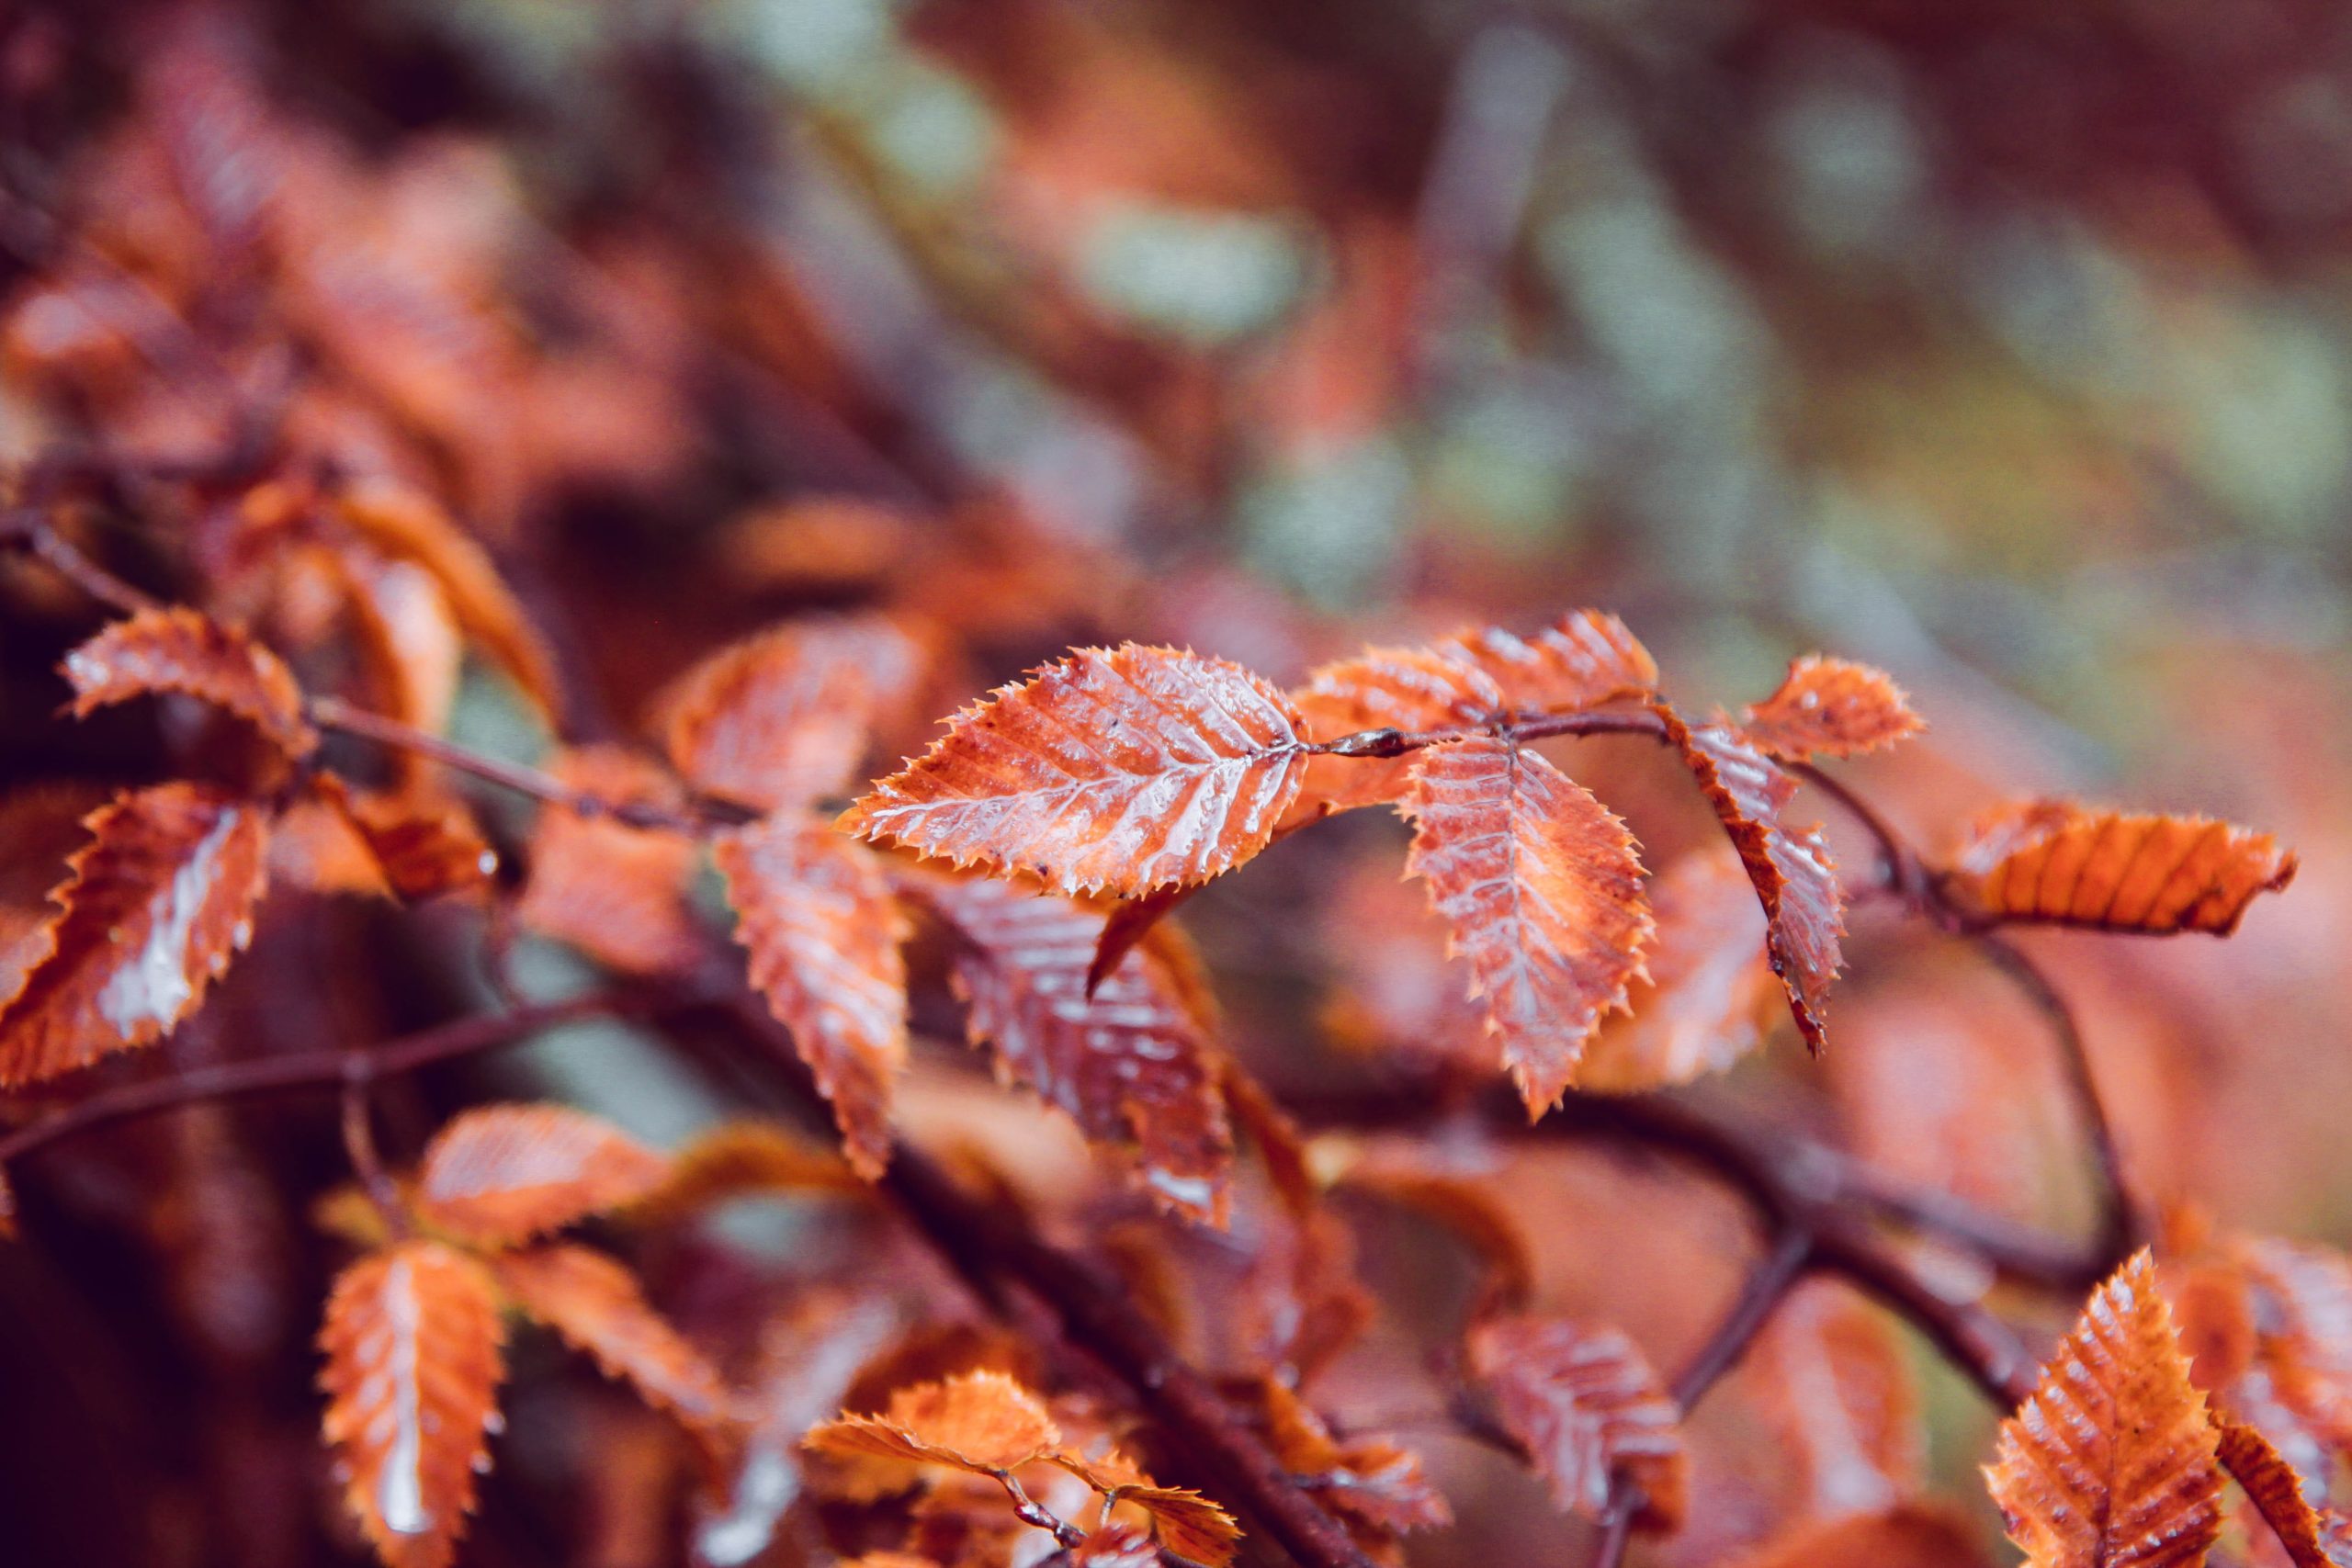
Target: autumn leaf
<point>158,902</point>
<point>1830,708</point>
<point>1372,1484</point>
<point>412,1342</point>
<point>500,1175</point>
<point>427,847</point>
<point>779,720</point>
<point>1541,893</point>
<point>407,648</point>
<point>1702,1005</point>
<point>1833,1382</point>
<point>616,893</point>
<point>1804,911</point>
<point>737,1159</point>
<point>595,1306</point>
<point>177,649</point>
<point>2048,860</point>
<point>2110,1461</point>
<point>983,1423</point>
<point>1908,1535</point>
<point>823,931</point>
<point>2311,1539</point>
<point>1132,1065</point>
<point>1122,771</point>
<point>1584,1402</point>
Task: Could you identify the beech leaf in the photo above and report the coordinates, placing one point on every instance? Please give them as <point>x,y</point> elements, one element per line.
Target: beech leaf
<point>1132,1065</point>
<point>176,649</point>
<point>1540,890</point>
<point>412,1344</point>
<point>1703,1004</point>
<point>1790,868</point>
<point>2065,864</point>
<point>980,1422</point>
<point>500,1175</point>
<point>157,903</point>
<point>740,1159</point>
<point>2110,1461</point>
<point>1121,770</point>
<point>2313,1539</point>
<point>595,1305</point>
<point>616,893</point>
<point>1835,1384</point>
<point>1909,1534</point>
<point>780,719</point>
<point>1584,1402</point>
<point>1830,708</point>
<point>823,931</point>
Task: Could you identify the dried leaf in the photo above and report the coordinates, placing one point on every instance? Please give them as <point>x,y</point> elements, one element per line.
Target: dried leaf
<point>1804,911</point>
<point>412,1343</point>
<point>823,931</point>
<point>405,638</point>
<point>779,720</point>
<point>426,846</point>
<point>2110,1461</point>
<point>740,1159</point>
<point>1834,1384</point>
<point>1541,893</point>
<point>1584,1401</point>
<point>1830,708</point>
<point>2298,1390</point>
<point>980,1422</point>
<point>1116,1546</point>
<point>2050,861</point>
<point>500,1175</point>
<point>1909,1534</point>
<point>158,902</point>
<point>1132,1063</point>
<point>314,845</point>
<point>1370,1483</point>
<point>1186,1524</point>
<point>617,893</point>
<point>595,1306</point>
<point>176,649</point>
<point>2277,1494</point>
<point>1703,1003</point>
<point>1121,770</point>
<point>42,826</point>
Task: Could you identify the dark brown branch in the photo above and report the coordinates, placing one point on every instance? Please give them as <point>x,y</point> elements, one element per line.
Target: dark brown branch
<point>30,529</point>
<point>366,1163</point>
<point>1768,1286</point>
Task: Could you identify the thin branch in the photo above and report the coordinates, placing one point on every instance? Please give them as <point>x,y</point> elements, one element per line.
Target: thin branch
<point>366,1163</point>
<point>1768,1286</point>
<point>1616,1534</point>
<point>30,529</point>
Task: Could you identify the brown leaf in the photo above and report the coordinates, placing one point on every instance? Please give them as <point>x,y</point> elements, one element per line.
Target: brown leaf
<point>1541,893</point>
<point>1830,708</point>
<point>406,524</point>
<point>980,1422</point>
<point>176,649</point>
<point>1119,770</point>
<point>780,719</point>
<point>1371,1484</point>
<point>617,893</point>
<point>1186,1524</point>
<point>1116,1546</point>
<point>412,1343</point>
<point>426,846</point>
<point>406,643</point>
<point>2110,1461</point>
<point>158,902</point>
<point>1804,911</point>
<point>315,846</point>
<point>1909,1534</point>
<point>1132,1065</point>
<point>740,1159</point>
<point>41,825</point>
<point>500,1175</point>
<point>1702,1006</point>
<point>2299,1388</point>
<point>1584,1401</point>
<point>595,1306</point>
<point>823,931</point>
<point>2050,861</point>
<point>2277,1494</point>
<point>1833,1382</point>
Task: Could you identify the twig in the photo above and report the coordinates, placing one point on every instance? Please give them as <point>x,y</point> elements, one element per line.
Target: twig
<point>1768,1286</point>
<point>28,529</point>
<point>1616,1533</point>
<point>366,1163</point>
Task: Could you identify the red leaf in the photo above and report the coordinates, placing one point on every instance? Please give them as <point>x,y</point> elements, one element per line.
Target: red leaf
<point>1121,770</point>
<point>823,931</point>
<point>1132,1065</point>
<point>1588,1408</point>
<point>1804,912</point>
<point>412,1342</point>
<point>619,893</point>
<point>1831,707</point>
<point>1542,891</point>
<point>595,1306</point>
<point>179,650</point>
<point>1702,1006</point>
<point>500,1175</point>
<point>157,904</point>
<point>2053,861</point>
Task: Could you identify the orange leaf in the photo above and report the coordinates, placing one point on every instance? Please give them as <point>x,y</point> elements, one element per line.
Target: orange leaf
<point>1909,1534</point>
<point>1701,1007</point>
<point>981,1422</point>
<point>499,1175</point>
<point>1121,770</point>
<point>740,1159</point>
<point>1370,1483</point>
<point>595,1306</point>
<point>412,1342</point>
<point>1835,1384</point>
<point>2298,1390</point>
<point>1804,911</point>
<point>1186,1525</point>
<point>2054,861</point>
<point>177,649</point>
<point>405,639</point>
<point>427,847</point>
<point>1132,1065</point>
<point>408,525</point>
<point>1116,1546</point>
<point>2110,1461</point>
<point>314,845</point>
<point>823,932</point>
<point>1830,708</point>
<point>780,719</point>
<point>1542,892</point>
<point>619,893</point>
<point>2277,1494</point>
<point>1587,1407</point>
<point>158,902</point>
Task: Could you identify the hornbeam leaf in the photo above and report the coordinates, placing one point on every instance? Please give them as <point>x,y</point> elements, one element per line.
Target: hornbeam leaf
<point>1590,1412</point>
<point>2064,864</point>
<point>1830,708</point>
<point>500,1175</point>
<point>595,1305</point>
<point>177,649</point>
